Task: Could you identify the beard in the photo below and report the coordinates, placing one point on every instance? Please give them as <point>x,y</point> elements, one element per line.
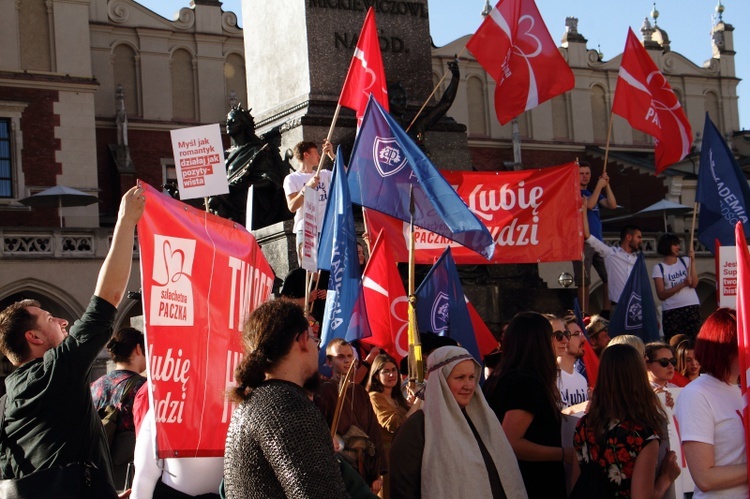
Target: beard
<point>312,383</point>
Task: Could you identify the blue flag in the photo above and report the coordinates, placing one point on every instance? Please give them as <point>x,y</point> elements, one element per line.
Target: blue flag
<point>441,306</point>
<point>722,191</point>
<point>385,163</point>
<point>344,284</point>
<point>636,313</point>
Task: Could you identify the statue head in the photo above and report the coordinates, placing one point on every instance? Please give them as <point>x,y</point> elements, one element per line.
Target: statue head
<point>397,98</point>
<point>239,122</point>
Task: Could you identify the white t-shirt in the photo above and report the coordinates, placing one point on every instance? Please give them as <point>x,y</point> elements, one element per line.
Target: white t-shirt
<point>618,263</point>
<point>573,388</point>
<point>673,275</point>
<point>295,182</point>
<point>709,411</point>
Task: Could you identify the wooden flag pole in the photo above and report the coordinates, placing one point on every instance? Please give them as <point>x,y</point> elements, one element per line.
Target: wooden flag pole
<point>433,93</point>
<point>340,400</point>
<point>328,137</point>
<point>416,372</point>
<point>609,136</point>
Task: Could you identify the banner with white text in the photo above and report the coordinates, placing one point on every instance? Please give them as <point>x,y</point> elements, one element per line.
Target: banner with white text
<point>201,275</point>
<point>533,216</point>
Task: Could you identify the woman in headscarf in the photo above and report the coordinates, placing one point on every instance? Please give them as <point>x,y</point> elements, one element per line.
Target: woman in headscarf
<point>455,434</point>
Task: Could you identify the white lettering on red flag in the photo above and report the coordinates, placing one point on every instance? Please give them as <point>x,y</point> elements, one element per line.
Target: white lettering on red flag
<point>644,98</point>
<point>201,276</point>
<point>515,48</point>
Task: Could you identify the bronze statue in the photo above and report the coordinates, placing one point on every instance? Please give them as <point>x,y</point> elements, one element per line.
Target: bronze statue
<point>251,161</point>
<point>397,99</point>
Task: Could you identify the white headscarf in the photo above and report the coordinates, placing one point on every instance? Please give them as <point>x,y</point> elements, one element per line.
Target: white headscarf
<point>450,449</point>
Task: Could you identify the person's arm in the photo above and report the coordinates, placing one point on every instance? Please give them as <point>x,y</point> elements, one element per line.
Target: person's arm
<point>295,200</point>
<point>389,417</point>
<point>642,485</point>
<point>706,475</point>
<point>692,279</point>
<point>147,471</point>
<point>663,293</point>
<point>610,201</point>
<point>115,272</point>
<point>515,423</point>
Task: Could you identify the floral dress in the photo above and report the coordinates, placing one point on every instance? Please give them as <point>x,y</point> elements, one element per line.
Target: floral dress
<point>610,466</point>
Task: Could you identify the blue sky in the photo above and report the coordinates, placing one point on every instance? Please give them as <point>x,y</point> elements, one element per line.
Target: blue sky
<point>603,22</point>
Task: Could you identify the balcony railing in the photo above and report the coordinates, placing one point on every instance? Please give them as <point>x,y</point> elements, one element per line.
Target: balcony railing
<point>56,243</point>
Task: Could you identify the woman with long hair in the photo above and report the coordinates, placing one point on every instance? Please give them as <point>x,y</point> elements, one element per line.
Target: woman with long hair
<point>675,280</point>
<point>388,403</point>
<point>687,364</point>
<point>524,395</point>
<point>617,441</point>
<point>454,445</point>
<point>709,411</point>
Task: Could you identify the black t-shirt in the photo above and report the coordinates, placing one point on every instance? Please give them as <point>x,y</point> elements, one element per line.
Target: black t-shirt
<point>543,479</point>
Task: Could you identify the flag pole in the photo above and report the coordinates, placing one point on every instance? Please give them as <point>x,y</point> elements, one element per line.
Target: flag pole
<point>433,93</point>
<point>416,373</point>
<point>609,136</point>
<point>328,137</point>
<point>340,400</point>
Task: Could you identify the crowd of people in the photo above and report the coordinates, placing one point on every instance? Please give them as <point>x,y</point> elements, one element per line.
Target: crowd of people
<point>365,428</point>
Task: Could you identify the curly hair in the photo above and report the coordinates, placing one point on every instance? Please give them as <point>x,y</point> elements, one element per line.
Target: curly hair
<point>267,336</point>
<point>15,320</point>
<point>623,392</point>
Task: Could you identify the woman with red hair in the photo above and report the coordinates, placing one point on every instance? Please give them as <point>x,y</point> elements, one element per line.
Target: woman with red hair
<point>709,411</point>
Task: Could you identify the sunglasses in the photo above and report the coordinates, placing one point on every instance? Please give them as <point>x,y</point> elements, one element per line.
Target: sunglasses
<point>313,322</point>
<point>664,362</point>
<point>559,335</point>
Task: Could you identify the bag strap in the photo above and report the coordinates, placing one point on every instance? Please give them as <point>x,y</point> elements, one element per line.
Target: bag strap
<point>129,386</point>
<point>3,399</point>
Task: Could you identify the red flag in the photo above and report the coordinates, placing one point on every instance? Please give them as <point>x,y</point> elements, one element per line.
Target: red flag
<point>366,74</point>
<point>743,324</point>
<point>591,362</point>
<point>514,46</point>
<point>645,99</point>
<point>485,341</point>
<point>386,302</point>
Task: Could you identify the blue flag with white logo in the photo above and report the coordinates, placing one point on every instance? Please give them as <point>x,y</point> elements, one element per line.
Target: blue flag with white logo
<point>441,306</point>
<point>723,191</point>
<point>386,162</point>
<point>636,312</point>
<point>344,284</point>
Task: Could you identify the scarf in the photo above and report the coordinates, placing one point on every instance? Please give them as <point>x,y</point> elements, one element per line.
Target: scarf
<point>450,449</point>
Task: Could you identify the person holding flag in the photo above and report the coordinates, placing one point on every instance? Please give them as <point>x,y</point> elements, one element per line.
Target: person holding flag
<point>307,154</point>
<point>709,411</point>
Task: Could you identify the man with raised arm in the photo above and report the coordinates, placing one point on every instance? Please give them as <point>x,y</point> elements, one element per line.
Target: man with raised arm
<point>50,418</point>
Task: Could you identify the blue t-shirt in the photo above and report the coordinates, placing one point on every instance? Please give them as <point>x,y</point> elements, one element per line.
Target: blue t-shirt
<point>595,222</point>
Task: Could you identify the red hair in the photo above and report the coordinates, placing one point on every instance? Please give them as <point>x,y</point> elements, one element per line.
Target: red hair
<point>716,344</point>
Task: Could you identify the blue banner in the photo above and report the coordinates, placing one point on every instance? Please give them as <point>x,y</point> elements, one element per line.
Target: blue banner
<point>723,191</point>
<point>636,312</point>
<point>441,305</point>
<point>386,163</point>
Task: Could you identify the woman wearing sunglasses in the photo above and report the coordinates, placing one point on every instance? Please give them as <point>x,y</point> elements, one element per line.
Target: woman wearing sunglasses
<point>709,411</point>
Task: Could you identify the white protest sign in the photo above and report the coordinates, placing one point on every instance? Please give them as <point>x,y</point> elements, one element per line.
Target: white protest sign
<point>309,258</point>
<point>726,276</point>
<point>199,161</point>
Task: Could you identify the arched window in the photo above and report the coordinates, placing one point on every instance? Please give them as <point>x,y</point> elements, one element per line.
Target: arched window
<point>560,123</point>
<point>183,85</point>
<point>599,113</point>
<point>234,79</point>
<point>126,75</point>
<point>33,20</point>
<point>477,106</point>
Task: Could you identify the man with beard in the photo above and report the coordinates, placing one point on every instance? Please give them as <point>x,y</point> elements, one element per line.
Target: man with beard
<point>278,444</point>
<point>574,389</point>
<point>619,260</point>
<point>357,424</point>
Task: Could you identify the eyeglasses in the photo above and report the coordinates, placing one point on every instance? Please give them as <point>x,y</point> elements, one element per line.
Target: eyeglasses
<point>316,339</point>
<point>559,335</point>
<point>577,333</point>
<point>313,322</point>
<point>389,372</point>
<point>664,362</point>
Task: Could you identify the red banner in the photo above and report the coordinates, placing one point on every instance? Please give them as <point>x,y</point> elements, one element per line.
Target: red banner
<point>743,331</point>
<point>533,216</point>
<point>201,276</point>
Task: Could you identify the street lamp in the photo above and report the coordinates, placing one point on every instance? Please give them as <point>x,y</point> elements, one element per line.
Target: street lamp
<point>565,279</point>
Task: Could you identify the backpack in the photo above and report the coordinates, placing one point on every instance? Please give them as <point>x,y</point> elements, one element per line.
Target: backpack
<point>110,415</point>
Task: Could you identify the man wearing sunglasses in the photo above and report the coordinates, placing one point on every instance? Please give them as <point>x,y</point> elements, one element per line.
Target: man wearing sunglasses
<point>572,385</point>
